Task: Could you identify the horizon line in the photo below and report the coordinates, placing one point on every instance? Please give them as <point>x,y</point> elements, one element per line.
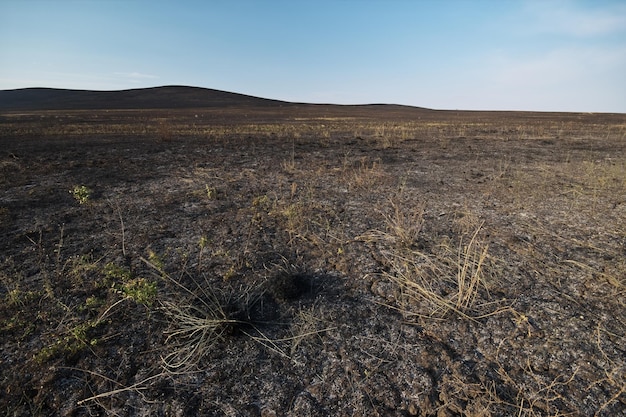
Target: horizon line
<point>303,102</point>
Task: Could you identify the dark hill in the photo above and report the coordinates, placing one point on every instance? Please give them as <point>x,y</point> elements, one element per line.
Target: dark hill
<point>179,97</point>
<point>169,97</point>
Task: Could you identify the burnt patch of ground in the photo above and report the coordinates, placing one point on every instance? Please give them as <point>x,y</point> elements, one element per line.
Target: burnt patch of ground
<point>312,261</point>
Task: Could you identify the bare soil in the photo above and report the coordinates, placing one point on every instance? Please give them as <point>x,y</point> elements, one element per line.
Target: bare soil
<point>312,261</point>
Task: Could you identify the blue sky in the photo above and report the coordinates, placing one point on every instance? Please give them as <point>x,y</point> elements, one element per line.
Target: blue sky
<point>481,54</point>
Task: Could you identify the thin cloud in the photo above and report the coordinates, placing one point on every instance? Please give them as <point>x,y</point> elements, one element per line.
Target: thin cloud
<point>558,66</point>
<point>77,80</point>
<point>136,76</point>
<point>569,78</point>
<point>573,19</point>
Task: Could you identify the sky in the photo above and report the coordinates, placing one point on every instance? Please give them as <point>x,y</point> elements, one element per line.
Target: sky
<point>562,55</point>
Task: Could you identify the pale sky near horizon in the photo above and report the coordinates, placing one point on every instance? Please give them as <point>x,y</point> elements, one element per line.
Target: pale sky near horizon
<point>562,55</point>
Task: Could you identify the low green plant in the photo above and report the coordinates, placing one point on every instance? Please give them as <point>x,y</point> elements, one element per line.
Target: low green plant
<point>78,267</point>
<point>115,272</point>
<point>93,303</point>
<point>211,192</point>
<point>156,261</point>
<point>74,340</point>
<point>81,193</point>
<point>262,202</point>
<point>140,290</point>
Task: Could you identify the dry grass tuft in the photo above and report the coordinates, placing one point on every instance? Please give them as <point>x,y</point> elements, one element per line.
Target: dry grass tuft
<point>364,174</point>
<point>447,278</point>
<point>194,330</point>
<point>199,317</point>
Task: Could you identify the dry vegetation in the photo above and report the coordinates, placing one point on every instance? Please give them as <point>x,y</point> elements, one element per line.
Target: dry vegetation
<point>312,263</point>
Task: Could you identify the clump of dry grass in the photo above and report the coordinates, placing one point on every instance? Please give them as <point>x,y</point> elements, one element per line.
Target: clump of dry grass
<point>364,174</point>
<point>615,374</point>
<point>195,329</point>
<point>404,227</point>
<point>202,315</point>
<point>443,282</point>
<point>447,278</point>
<point>199,317</point>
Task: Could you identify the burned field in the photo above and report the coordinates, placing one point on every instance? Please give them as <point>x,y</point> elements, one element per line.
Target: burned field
<point>312,261</point>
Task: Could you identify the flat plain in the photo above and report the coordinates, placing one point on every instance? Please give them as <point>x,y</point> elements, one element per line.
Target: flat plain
<point>260,258</point>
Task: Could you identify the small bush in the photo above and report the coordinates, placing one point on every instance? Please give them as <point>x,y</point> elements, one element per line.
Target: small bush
<point>81,193</point>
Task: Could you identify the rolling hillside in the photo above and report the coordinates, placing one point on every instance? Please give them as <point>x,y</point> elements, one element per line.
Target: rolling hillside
<point>169,97</point>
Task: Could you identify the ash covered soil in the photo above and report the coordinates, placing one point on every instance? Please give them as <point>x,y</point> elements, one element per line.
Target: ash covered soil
<point>312,261</point>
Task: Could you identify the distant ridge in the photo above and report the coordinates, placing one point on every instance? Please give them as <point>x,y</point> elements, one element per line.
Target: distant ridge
<point>167,97</point>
